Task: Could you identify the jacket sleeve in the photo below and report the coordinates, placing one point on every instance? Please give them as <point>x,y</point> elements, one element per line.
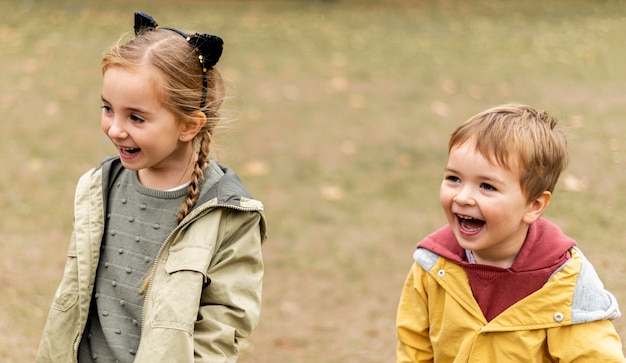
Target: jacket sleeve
<point>61,325</point>
<point>230,305</point>
<point>589,342</point>
<point>70,304</point>
<point>412,322</point>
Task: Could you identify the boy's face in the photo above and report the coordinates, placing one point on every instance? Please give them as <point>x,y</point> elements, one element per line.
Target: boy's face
<point>485,206</point>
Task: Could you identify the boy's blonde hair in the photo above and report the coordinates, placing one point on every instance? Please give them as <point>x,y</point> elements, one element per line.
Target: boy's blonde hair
<point>177,78</point>
<point>516,134</point>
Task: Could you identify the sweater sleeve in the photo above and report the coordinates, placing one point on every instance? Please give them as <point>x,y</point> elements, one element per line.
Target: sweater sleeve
<point>412,323</point>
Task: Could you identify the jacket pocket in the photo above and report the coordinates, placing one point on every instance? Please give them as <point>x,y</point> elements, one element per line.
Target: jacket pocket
<point>67,292</point>
<point>178,291</point>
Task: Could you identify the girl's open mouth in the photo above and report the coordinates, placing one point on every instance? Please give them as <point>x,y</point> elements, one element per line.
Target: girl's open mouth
<point>130,151</point>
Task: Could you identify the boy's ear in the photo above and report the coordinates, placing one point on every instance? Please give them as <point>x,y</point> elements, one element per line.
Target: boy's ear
<point>537,207</point>
<point>192,126</point>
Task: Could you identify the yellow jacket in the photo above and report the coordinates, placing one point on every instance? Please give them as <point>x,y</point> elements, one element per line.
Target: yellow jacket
<point>205,293</point>
<point>567,320</point>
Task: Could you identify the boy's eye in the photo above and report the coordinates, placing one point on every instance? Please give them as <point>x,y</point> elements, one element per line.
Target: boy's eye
<point>106,108</point>
<point>487,186</point>
<point>452,178</point>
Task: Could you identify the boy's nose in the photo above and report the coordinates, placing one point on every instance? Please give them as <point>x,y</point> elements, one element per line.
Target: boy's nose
<point>463,198</point>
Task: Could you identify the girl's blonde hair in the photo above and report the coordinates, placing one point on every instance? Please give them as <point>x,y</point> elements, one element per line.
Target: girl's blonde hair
<point>515,133</point>
<point>179,77</point>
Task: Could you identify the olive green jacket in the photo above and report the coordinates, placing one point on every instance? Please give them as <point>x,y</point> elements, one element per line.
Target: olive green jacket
<point>205,290</point>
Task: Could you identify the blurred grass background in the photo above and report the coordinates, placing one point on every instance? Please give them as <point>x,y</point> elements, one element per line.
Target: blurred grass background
<point>338,119</point>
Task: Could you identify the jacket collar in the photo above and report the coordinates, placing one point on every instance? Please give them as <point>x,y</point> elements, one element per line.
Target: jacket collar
<point>545,244</point>
<point>225,184</point>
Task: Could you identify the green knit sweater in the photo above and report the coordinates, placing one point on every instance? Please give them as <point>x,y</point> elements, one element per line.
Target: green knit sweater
<point>138,221</point>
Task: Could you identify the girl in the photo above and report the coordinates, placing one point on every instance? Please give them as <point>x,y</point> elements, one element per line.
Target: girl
<point>164,262</point>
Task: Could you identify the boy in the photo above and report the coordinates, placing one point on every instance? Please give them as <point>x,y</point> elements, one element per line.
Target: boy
<point>500,283</point>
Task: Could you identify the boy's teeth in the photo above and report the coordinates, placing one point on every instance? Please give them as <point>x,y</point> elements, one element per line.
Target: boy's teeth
<point>470,224</point>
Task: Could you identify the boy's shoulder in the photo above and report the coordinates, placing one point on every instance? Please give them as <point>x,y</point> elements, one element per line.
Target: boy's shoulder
<point>591,301</point>
<point>425,258</point>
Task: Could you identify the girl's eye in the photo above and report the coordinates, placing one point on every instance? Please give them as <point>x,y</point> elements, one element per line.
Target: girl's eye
<point>452,178</point>
<point>106,108</point>
<point>487,186</point>
<point>136,118</point>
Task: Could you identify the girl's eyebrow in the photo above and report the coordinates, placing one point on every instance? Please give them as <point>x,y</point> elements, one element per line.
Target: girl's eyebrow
<point>130,109</point>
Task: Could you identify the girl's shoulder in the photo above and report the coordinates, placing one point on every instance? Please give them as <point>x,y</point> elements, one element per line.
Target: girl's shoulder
<point>224,185</point>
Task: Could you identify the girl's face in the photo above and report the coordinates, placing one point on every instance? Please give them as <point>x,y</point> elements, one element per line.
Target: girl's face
<point>485,206</point>
<point>146,135</point>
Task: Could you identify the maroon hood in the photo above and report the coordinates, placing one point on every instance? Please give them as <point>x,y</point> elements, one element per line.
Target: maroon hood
<point>495,289</point>
<point>545,244</point>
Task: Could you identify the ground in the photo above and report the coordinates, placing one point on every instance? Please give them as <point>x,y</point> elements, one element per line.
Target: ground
<point>337,119</point>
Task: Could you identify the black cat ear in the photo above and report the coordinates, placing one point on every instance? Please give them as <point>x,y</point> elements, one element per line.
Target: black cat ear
<point>208,50</point>
<point>208,47</point>
<point>144,22</point>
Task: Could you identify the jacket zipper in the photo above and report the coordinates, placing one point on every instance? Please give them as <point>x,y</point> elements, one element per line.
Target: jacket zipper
<point>75,348</point>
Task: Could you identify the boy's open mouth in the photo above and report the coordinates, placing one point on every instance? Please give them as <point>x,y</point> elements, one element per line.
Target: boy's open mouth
<point>469,224</point>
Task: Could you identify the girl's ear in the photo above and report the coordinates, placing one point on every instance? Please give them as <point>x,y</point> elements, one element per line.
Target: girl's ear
<point>192,126</point>
<point>537,207</point>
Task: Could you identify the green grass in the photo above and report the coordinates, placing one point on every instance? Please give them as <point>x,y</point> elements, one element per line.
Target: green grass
<point>338,119</point>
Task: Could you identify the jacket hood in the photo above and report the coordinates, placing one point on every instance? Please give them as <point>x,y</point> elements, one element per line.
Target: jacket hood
<point>226,189</point>
<point>544,246</point>
<point>225,185</point>
<point>574,287</point>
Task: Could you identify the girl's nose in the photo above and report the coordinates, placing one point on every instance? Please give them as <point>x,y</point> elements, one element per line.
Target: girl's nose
<point>116,129</point>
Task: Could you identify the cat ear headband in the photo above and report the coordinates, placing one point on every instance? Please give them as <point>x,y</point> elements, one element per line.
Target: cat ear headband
<point>208,47</point>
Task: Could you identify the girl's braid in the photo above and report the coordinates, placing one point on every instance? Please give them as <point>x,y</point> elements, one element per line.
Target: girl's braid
<point>196,177</point>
